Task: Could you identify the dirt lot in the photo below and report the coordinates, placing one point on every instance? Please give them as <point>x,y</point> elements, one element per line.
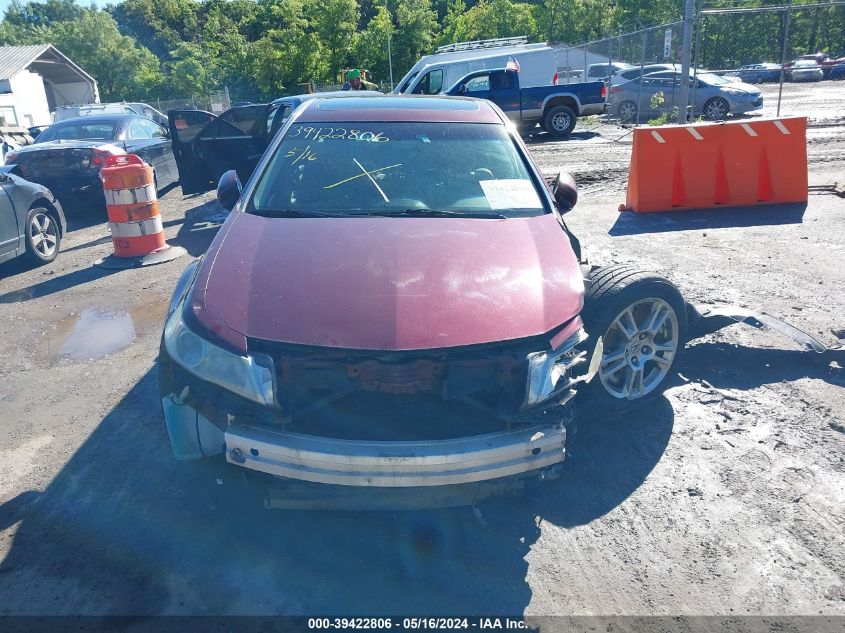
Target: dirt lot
<point>725,497</point>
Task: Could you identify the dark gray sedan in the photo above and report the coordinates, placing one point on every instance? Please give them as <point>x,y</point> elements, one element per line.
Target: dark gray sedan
<point>67,156</point>
<point>32,223</point>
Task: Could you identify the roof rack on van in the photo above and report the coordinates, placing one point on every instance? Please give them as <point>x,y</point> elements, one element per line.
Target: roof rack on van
<point>476,44</point>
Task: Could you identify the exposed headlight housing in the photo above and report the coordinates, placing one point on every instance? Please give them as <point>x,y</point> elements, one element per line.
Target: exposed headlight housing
<point>249,376</point>
<point>550,372</point>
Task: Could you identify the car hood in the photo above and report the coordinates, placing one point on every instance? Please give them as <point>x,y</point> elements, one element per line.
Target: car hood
<point>392,283</point>
<point>740,86</point>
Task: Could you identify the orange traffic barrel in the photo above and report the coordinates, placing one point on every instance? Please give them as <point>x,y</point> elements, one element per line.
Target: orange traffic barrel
<point>134,217</point>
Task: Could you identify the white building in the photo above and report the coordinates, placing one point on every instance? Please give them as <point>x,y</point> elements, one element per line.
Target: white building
<point>34,80</point>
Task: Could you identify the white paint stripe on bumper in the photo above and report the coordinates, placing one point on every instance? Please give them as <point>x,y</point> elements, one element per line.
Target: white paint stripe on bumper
<point>395,464</point>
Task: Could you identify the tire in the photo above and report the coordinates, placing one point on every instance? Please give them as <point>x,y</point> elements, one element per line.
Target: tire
<point>716,109</point>
<point>626,111</point>
<point>559,121</point>
<point>635,367</point>
<point>42,235</point>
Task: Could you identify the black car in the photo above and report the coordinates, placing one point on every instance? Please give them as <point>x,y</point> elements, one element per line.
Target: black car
<point>67,156</point>
<point>32,222</point>
<point>207,146</point>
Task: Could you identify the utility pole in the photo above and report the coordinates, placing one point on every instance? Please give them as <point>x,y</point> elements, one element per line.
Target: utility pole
<point>686,52</point>
<point>389,52</point>
<point>783,51</point>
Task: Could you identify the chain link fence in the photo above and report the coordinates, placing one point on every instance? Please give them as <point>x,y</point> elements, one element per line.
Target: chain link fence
<point>750,45</point>
<point>216,101</point>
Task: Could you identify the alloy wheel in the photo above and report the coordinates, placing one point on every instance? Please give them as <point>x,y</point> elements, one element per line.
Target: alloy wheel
<point>639,347</point>
<point>560,122</point>
<point>716,109</point>
<point>43,233</point>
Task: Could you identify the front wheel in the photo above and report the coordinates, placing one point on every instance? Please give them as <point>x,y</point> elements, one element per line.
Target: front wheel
<point>716,109</point>
<point>641,318</point>
<point>559,121</point>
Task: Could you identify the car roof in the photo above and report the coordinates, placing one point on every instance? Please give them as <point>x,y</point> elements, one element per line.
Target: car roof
<point>100,118</point>
<point>413,108</point>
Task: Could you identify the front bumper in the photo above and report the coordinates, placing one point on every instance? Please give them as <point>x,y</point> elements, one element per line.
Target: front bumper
<point>395,464</point>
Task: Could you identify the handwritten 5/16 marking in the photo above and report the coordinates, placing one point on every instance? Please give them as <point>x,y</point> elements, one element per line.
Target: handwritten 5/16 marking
<point>306,155</point>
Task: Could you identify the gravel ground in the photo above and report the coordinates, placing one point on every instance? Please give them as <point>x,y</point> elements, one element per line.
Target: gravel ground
<point>725,497</point>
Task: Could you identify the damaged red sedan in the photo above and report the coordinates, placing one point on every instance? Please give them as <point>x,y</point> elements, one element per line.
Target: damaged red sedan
<point>395,302</point>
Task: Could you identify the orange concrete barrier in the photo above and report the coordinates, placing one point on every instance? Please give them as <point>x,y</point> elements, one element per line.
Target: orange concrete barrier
<point>705,165</point>
<point>134,216</point>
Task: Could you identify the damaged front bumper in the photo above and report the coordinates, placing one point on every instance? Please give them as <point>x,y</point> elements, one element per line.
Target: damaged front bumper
<point>400,464</point>
<point>395,464</point>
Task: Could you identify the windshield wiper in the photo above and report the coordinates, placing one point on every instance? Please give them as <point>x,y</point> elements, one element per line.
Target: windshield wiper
<point>294,213</point>
<point>431,213</point>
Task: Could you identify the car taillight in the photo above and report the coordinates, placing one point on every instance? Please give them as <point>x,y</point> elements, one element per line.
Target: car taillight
<point>554,80</point>
<point>604,92</point>
<point>99,156</point>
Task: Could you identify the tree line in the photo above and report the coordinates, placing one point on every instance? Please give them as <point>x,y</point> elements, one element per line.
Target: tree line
<point>147,49</point>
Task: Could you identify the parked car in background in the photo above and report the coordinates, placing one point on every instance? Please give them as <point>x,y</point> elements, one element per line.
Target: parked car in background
<point>712,96</point>
<point>830,64</point>
<point>150,112</point>
<point>608,71</point>
<point>757,73</point>
<point>67,156</point>
<point>805,70</point>
<point>556,108</point>
<point>434,73</point>
<point>647,69</point>
<point>206,145</point>
<point>92,109</point>
<point>837,71</point>
<point>32,222</point>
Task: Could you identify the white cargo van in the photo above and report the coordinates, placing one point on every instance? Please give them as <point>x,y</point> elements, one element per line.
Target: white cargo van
<point>435,73</point>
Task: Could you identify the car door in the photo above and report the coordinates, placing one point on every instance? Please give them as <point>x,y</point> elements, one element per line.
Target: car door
<point>498,86</point>
<point>184,126</point>
<point>166,162</point>
<point>236,140</point>
<point>139,140</point>
<point>9,235</point>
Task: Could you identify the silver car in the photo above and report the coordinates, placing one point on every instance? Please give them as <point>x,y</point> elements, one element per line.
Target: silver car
<point>32,223</point>
<point>710,95</point>
<point>806,70</point>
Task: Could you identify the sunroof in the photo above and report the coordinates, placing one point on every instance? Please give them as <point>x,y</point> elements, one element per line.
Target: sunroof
<point>401,103</point>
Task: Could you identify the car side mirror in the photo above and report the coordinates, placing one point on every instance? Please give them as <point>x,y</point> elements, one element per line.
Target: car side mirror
<point>564,191</point>
<point>462,89</point>
<point>229,190</point>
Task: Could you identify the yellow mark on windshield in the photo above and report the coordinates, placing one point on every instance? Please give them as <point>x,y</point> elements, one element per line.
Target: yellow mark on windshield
<point>364,175</point>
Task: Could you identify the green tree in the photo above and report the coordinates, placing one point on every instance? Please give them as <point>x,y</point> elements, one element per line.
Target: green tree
<point>122,68</point>
<point>370,49</point>
<point>490,19</point>
<point>416,23</point>
<point>335,22</point>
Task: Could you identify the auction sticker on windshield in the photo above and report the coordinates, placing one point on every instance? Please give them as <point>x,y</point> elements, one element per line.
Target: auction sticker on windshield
<point>511,193</point>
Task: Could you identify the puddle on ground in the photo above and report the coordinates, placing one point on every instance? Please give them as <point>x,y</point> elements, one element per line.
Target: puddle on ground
<point>97,332</point>
<point>92,333</point>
